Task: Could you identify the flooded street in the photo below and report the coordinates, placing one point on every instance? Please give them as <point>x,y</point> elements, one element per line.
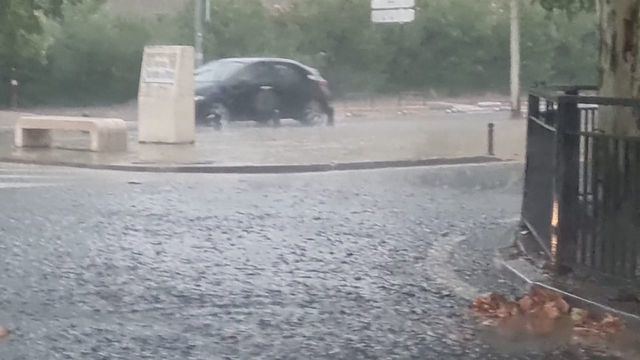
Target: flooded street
<point>304,179</point>
<point>103,265</point>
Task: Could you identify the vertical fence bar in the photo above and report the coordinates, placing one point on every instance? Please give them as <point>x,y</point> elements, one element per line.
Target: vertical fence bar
<point>533,112</point>
<point>567,177</point>
<point>635,200</point>
<point>625,203</point>
<point>586,202</point>
<point>534,106</point>
<point>595,194</point>
<point>614,238</point>
<point>606,204</point>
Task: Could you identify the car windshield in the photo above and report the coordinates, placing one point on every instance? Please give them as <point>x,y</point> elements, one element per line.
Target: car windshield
<point>217,71</point>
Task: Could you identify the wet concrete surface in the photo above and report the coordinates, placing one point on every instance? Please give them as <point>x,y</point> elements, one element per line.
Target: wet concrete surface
<point>376,137</point>
<point>115,265</point>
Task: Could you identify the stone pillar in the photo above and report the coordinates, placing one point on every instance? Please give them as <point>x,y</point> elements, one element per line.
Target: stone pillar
<point>166,107</point>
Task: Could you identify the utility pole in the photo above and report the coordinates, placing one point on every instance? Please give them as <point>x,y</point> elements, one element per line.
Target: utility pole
<point>515,59</point>
<point>199,32</point>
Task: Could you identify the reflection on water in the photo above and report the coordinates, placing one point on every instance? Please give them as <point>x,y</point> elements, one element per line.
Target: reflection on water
<point>524,334</point>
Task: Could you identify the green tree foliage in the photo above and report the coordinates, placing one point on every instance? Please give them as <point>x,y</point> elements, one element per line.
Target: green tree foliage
<point>20,27</point>
<point>90,56</point>
<point>570,6</point>
<point>453,47</point>
<point>95,56</point>
<point>21,34</point>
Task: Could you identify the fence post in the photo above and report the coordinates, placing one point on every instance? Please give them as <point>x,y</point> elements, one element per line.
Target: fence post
<point>567,177</point>
<point>532,112</point>
<point>534,106</point>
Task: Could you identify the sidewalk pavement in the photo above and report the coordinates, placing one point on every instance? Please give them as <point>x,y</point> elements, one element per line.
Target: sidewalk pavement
<point>428,138</point>
<point>525,263</point>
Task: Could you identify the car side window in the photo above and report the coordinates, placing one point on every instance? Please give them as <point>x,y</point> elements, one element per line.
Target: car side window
<point>263,74</point>
<point>258,74</point>
<point>288,76</point>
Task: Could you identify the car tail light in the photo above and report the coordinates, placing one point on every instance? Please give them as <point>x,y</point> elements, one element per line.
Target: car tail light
<point>324,85</point>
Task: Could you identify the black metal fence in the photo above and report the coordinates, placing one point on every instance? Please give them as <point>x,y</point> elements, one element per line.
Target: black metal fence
<point>582,186</point>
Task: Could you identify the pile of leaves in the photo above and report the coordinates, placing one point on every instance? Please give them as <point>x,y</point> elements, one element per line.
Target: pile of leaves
<point>542,313</point>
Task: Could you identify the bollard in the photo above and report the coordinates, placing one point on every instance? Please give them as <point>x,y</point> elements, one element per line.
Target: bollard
<point>13,89</point>
<point>490,135</point>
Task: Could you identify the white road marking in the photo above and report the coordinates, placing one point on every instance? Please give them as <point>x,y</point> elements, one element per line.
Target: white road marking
<point>25,185</point>
<point>21,177</point>
<point>15,176</point>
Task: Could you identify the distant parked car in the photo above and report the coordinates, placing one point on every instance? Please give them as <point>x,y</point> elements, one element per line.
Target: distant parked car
<point>263,90</point>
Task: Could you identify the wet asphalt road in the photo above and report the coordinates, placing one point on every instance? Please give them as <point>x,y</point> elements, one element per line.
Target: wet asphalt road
<point>309,266</point>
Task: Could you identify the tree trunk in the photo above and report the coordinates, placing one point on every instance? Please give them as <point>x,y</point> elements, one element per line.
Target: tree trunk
<point>619,61</point>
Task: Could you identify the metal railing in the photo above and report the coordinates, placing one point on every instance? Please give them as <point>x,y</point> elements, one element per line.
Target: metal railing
<point>582,186</point>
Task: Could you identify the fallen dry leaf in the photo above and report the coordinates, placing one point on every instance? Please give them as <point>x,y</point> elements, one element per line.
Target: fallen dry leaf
<point>526,303</point>
<point>562,306</point>
<point>508,309</point>
<point>579,316</point>
<point>543,296</point>
<point>490,305</point>
<point>550,311</point>
<point>542,313</point>
<point>4,332</point>
<point>610,325</point>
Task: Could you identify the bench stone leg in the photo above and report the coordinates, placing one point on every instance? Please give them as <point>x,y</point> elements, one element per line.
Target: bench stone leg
<point>96,141</point>
<point>32,138</point>
<point>109,141</point>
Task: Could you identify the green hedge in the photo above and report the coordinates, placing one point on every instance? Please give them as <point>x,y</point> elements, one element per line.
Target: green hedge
<point>453,47</point>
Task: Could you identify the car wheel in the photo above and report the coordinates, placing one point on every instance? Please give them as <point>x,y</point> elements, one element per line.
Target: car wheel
<point>218,116</point>
<point>315,114</point>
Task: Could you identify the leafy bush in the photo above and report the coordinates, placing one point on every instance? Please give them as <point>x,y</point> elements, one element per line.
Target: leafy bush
<point>453,47</point>
<point>93,57</point>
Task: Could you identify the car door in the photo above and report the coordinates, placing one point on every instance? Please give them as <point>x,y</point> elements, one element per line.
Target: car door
<point>248,84</point>
<point>293,89</point>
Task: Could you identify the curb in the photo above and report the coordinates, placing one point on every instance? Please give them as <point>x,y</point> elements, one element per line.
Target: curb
<point>525,283</point>
<point>266,169</point>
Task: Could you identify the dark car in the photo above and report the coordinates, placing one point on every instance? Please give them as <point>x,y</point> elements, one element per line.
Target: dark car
<point>261,89</point>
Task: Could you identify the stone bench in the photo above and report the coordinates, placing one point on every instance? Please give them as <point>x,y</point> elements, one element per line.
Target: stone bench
<point>107,135</point>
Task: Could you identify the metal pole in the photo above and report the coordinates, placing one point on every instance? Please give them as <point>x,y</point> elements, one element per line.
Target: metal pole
<point>515,59</point>
<point>490,139</point>
<point>13,89</point>
<point>198,27</point>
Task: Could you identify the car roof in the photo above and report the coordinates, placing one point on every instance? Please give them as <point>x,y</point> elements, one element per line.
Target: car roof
<point>252,60</point>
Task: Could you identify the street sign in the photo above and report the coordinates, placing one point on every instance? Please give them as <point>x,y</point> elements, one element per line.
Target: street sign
<point>393,16</point>
<point>392,4</point>
<point>159,66</point>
